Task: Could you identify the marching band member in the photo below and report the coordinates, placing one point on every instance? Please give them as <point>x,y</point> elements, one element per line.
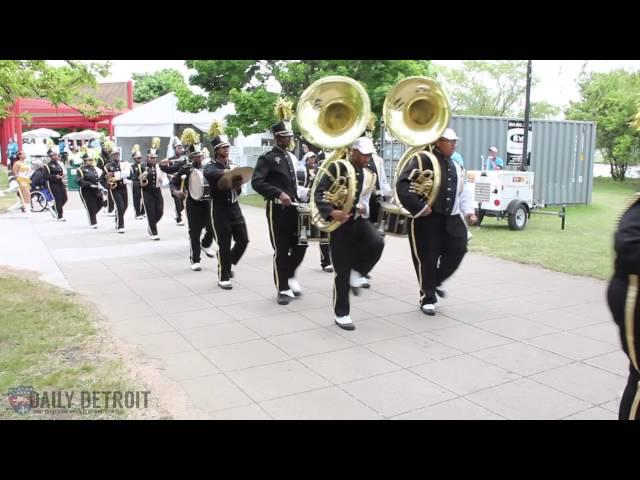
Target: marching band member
<point>54,173</point>
<point>198,211</point>
<point>151,183</point>
<point>376,165</point>
<point>113,180</point>
<point>306,175</point>
<point>355,245</point>
<point>274,177</point>
<point>103,159</point>
<point>136,191</point>
<point>624,303</point>
<point>171,166</point>
<point>228,221</point>
<point>438,235</point>
<point>89,180</point>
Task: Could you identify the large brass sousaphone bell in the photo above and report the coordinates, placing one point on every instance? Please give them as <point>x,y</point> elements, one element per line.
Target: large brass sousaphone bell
<point>332,113</point>
<point>416,112</point>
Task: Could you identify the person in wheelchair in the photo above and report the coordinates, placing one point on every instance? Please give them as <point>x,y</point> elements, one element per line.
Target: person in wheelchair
<point>40,195</point>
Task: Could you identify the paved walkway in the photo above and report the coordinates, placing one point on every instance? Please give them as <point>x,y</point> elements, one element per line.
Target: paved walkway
<point>510,341</point>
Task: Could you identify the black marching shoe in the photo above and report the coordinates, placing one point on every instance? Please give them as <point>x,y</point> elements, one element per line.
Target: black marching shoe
<point>327,268</point>
<point>283,299</point>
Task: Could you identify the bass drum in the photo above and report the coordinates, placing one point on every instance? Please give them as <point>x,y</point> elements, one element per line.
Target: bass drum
<point>393,219</point>
<point>199,188</point>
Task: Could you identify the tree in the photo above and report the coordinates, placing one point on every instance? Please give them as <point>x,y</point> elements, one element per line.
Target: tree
<point>492,88</point>
<point>59,85</point>
<point>253,86</point>
<point>149,86</point>
<point>609,99</point>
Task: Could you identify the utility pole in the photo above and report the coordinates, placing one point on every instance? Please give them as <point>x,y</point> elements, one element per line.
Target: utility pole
<point>527,107</point>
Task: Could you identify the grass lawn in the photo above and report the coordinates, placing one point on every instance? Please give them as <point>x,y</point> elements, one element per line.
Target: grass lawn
<point>55,343</point>
<point>585,247</point>
<point>10,198</point>
<point>254,200</point>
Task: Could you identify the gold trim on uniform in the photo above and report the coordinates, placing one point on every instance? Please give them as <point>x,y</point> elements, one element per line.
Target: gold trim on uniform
<point>629,318</point>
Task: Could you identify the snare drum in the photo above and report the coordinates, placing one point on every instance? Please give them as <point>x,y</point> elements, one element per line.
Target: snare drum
<point>393,219</point>
<point>307,232</point>
<point>199,188</point>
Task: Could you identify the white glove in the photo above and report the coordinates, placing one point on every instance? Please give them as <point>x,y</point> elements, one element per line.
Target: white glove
<point>303,194</point>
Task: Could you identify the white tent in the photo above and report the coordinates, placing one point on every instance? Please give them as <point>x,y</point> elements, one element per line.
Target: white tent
<point>158,117</point>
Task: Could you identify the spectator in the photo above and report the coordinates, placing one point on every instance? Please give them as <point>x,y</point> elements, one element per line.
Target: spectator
<point>494,162</point>
<point>456,157</point>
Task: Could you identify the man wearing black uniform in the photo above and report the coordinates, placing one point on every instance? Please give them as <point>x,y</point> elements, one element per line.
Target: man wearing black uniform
<point>136,172</point>
<point>355,245</point>
<point>306,176</point>
<point>103,159</point>
<point>622,296</point>
<point>226,214</point>
<point>438,235</point>
<point>172,166</point>
<point>54,173</point>
<point>113,180</point>
<point>274,178</point>
<point>89,180</point>
<point>152,194</point>
<point>198,211</point>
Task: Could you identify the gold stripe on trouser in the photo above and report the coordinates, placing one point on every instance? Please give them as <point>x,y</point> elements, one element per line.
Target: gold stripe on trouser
<point>115,208</point>
<point>629,327</point>
<point>145,209</point>
<point>629,319</point>
<point>215,235</point>
<point>335,276</point>
<point>85,205</point>
<point>414,250</point>
<point>633,413</point>
<point>55,205</point>
<point>272,233</point>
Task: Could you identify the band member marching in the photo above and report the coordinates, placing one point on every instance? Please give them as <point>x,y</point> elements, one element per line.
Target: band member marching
<point>226,215</point>
<point>624,303</point>
<point>103,159</point>
<point>275,179</point>
<point>136,191</point>
<point>376,165</point>
<point>150,183</point>
<point>198,210</point>
<point>355,245</point>
<point>306,174</point>
<point>54,173</point>
<point>88,178</point>
<point>171,166</point>
<point>113,180</point>
<point>438,234</point>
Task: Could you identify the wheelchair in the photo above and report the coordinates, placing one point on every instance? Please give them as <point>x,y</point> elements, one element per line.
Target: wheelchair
<point>40,198</point>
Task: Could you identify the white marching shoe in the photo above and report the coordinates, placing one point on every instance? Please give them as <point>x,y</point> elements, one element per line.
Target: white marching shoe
<point>295,287</point>
<point>196,267</point>
<point>208,251</point>
<point>226,285</point>
<point>345,323</point>
<point>428,309</point>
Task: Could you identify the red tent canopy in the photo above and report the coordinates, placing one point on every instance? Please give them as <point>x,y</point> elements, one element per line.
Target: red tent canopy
<point>45,115</point>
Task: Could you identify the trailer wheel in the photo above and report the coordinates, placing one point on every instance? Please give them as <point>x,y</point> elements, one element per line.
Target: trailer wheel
<point>518,219</point>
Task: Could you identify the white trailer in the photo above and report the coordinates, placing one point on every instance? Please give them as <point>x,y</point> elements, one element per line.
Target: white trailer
<point>505,194</point>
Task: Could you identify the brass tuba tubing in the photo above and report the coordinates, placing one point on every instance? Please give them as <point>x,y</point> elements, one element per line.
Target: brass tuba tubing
<point>332,113</point>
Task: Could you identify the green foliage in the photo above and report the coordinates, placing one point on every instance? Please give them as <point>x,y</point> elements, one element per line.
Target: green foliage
<point>149,86</point>
<point>253,85</point>
<point>59,85</point>
<point>610,100</point>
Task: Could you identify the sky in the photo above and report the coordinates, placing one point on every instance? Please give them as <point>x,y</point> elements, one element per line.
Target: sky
<point>557,77</point>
